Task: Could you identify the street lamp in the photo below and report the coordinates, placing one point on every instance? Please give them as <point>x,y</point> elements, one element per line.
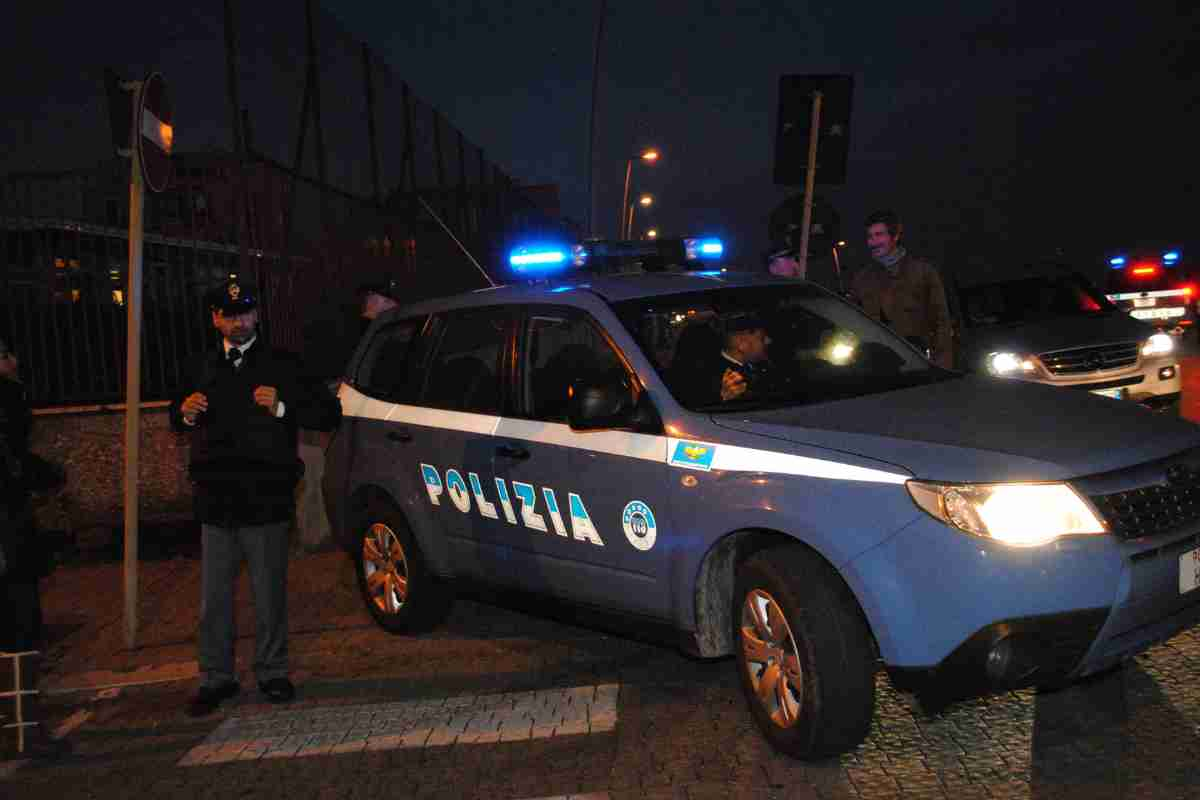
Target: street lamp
<point>649,156</point>
<point>645,201</point>
<point>652,233</point>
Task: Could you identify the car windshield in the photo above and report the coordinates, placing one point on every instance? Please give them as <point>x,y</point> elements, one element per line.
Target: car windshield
<point>1017,301</point>
<point>733,349</point>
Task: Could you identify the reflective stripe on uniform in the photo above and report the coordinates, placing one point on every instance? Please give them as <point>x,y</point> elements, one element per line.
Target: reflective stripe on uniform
<point>645,447</point>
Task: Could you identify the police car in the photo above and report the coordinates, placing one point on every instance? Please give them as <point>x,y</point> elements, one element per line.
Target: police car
<point>561,437</point>
<point>1154,286</point>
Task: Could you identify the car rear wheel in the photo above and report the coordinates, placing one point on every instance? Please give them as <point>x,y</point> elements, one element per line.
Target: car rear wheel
<point>804,654</point>
<point>400,592</point>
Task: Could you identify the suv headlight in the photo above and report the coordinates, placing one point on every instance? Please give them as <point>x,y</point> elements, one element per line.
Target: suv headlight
<point>1005,364</point>
<point>1160,344</point>
<point>1019,514</point>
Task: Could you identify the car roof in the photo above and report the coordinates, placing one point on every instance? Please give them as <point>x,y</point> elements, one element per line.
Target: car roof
<point>610,288</point>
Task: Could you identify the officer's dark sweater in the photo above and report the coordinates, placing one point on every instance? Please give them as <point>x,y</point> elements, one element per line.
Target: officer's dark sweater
<point>244,460</point>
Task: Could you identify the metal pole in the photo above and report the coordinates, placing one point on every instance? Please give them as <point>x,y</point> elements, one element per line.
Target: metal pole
<point>810,178</point>
<point>625,200</point>
<point>133,381</point>
<point>629,227</point>
<point>837,268</point>
<point>593,209</point>
<point>370,84</point>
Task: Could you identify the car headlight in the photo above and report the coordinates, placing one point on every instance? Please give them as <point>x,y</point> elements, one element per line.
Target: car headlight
<point>1019,514</point>
<point>1005,364</point>
<point>1160,344</point>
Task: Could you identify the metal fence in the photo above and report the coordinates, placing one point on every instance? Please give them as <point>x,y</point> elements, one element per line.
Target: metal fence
<point>335,172</point>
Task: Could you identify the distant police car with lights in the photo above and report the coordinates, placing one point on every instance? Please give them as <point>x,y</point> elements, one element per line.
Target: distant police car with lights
<point>1155,286</point>
<point>564,438</point>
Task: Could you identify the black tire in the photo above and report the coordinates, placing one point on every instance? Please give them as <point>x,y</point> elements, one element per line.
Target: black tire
<point>821,699</point>
<point>407,598</point>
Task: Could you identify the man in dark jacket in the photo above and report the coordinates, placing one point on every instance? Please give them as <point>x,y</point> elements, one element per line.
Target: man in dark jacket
<point>242,407</point>
<point>903,291</point>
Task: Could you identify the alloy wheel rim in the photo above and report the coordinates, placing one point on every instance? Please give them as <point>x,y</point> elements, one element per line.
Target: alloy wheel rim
<point>772,661</point>
<point>385,568</point>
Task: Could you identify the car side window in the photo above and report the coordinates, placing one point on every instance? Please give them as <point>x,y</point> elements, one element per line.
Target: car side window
<point>390,369</point>
<point>465,371</point>
<point>561,348</point>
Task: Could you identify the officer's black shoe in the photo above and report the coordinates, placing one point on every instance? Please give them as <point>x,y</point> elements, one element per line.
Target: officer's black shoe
<point>278,690</point>
<point>207,698</point>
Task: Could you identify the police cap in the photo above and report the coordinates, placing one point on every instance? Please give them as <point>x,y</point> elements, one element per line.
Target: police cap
<point>233,297</point>
<point>744,321</point>
<point>389,288</point>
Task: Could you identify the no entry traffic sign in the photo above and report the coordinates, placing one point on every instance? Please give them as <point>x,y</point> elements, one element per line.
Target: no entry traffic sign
<point>154,132</point>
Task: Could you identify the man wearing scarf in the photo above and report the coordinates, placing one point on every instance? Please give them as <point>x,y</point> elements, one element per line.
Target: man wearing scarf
<point>902,291</point>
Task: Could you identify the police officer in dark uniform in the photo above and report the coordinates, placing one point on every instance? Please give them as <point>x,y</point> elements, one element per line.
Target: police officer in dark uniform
<point>377,298</point>
<point>242,406</point>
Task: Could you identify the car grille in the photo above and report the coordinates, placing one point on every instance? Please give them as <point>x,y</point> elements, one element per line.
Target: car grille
<point>1154,509</point>
<point>1081,360</point>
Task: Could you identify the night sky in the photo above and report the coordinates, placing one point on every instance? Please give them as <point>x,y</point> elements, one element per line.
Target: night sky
<point>999,131</point>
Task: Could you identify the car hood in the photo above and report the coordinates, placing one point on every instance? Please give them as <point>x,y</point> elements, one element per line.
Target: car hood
<point>979,429</point>
<point>1057,333</point>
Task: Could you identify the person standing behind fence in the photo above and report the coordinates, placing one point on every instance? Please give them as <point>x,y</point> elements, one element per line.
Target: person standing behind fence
<point>242,407</point>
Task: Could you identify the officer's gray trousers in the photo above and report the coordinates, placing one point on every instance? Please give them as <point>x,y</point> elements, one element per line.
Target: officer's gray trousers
<point>265,549</point>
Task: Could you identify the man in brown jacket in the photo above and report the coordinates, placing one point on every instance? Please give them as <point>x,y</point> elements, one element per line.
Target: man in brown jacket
<point>902,291</point>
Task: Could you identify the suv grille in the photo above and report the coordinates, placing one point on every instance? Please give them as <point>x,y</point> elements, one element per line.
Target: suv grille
<point>1080,360</point>
<point>1154,509</point>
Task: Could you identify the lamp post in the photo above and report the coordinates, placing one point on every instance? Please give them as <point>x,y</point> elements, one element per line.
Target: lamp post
<point>837,265</point>
<point>645,201</point>
<point>649,156</point>
<point>652,233</point>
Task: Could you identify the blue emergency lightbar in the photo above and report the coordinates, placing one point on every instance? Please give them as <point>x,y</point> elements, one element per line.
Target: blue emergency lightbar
<point>703,248</point>
<point>538,259</point>
<point>1116,262</point>
<point>1170,257</point>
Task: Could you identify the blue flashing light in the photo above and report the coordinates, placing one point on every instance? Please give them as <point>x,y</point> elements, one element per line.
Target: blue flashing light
<point>703,248</point>
<point>1170,257</point>
<point>531,259</point>
<point>538,260</point>
<point>561,289</point>
<point>710,273</point>
<point>1116,262</point>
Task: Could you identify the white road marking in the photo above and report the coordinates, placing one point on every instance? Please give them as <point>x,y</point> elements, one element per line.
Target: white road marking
<point>470,719</point>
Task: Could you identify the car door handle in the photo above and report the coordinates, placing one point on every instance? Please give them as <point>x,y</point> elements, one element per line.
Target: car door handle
<point>401,436</point>
<point>512,451</point>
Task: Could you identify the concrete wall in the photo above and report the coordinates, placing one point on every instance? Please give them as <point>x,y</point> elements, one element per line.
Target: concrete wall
<point>91,446</point>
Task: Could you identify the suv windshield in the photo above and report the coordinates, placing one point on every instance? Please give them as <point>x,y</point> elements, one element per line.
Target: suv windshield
<point>769,346</point>
<point>1017,301</point>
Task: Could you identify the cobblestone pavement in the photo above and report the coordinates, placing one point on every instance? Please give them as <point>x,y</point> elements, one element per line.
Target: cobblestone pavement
<point>669,726</point>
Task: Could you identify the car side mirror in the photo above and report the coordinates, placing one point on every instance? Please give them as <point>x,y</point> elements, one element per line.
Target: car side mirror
<point>608,403</point>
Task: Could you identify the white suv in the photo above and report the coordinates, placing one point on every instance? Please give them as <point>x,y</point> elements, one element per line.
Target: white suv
<point>1057,329</point>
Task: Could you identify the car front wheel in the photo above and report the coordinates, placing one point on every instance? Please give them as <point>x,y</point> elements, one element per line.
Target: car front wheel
<point>804,653</point>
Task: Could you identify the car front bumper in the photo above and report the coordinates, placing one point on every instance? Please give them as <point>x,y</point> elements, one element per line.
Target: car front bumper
<point>962,616</point>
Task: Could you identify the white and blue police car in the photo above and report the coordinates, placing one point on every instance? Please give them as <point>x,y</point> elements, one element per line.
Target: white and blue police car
<point>620,441</point>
